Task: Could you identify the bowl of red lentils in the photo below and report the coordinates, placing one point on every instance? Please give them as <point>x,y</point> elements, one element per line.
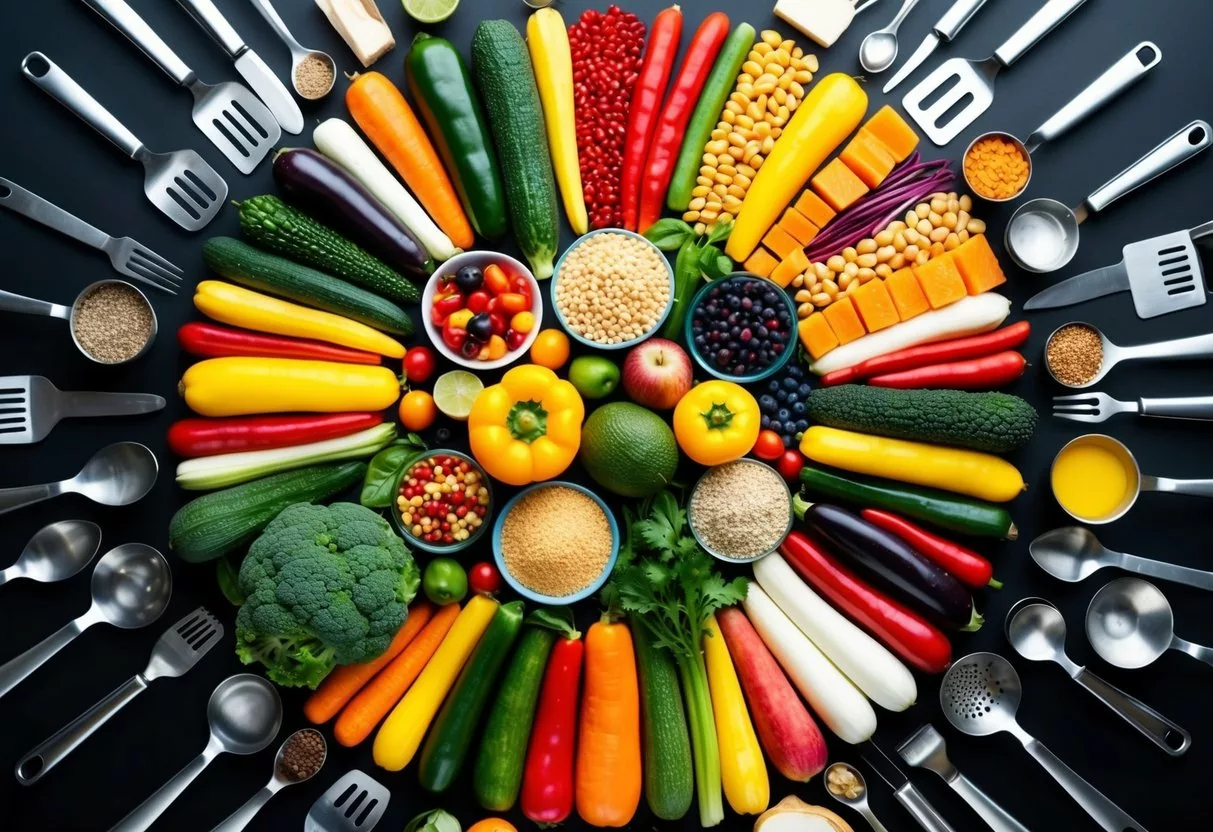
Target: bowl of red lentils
<point>612,289</point>
<point>443,502</point>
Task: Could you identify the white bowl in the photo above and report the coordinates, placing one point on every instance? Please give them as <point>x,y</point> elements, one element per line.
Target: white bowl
<point>481,259</point>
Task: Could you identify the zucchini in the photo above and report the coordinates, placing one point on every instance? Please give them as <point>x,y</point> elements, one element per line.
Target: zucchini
<point>221,522</point>
<point>502,71</point>
<point>992,422</point>
<point>241,263</point>
<point>669,779</point>
<point>275,226</point>
<point>948,511</point>
<point>451,735</point>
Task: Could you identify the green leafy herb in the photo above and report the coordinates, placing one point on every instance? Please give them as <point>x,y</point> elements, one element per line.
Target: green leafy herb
<point>698,257</point>
<point>229,580</point>
<point>669,234</point>
<point>435,820</point>
<point>379,485</point>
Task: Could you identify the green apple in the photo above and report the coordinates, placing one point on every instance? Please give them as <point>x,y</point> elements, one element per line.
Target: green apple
<point>594,376</point>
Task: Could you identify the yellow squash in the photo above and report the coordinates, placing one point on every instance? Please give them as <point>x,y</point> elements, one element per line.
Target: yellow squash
<point>742,769</point>
<point>242,307</point>
<point>241,386</point>
<point>827,115</point>
<point>548,41</point>
<point>979,475</point>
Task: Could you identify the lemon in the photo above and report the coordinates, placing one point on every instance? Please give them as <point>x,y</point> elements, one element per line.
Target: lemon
<point>430,11</point>
<point>454,393</point>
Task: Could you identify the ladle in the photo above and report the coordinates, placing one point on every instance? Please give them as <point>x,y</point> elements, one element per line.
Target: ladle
<point>1037,631</point>
<point>878,51</point>
<point>860,803</point>
<point>1130,624</point>
<point>131,587</point>
<point>240,818</point>
<point>117,475</point>
<point>12,302</point>
<point>1073,553</point>
<point>244,714</point>
<point>299,52</point>
<point>1197,346</point>
<point>56,552</point>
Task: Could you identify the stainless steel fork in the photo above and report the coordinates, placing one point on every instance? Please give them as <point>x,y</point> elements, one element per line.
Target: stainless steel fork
<point>1099,407</point>
<point>31,406</point>
<point>175,652</point>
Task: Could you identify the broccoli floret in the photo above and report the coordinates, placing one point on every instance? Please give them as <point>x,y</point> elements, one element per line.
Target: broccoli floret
<point>325,585</point>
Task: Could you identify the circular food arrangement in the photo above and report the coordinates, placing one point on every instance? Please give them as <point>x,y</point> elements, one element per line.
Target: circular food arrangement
<point>665,542</point>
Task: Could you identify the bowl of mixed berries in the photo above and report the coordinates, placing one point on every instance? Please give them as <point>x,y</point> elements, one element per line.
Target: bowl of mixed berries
<point>741,328</point>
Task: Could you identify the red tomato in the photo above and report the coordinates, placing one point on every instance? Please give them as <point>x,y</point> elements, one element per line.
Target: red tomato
<point>496,279</point>
<point>418,364</point>
<point>501,323</point>
<point>484,579</point>
<point>454,338</point>
<point>522,286</point>
<point>790,463</point>
<point>445,306</point>
<point>769,446</point>
<point>478,301</point>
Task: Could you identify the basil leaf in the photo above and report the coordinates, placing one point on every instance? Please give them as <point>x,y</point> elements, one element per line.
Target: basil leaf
<point>725,263</point>
<point>559,619</point>
<point>669,234</point>
<point>720,232</point>
<point>710,263</point>
<point>383,472</point>
<point>229,581</point>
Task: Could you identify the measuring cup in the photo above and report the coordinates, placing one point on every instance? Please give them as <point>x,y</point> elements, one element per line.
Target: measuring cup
<point>1130,624</point>
<point>1119,77</point>
<point>299,52</point>
<point>1197,346</point>
<point>1042,235</point>
<point>12,302</point>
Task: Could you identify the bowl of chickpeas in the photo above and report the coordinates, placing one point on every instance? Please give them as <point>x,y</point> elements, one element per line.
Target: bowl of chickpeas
<point>612,289</point>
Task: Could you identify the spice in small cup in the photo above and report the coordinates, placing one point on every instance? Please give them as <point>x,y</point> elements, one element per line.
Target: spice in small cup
<point>113,322</point>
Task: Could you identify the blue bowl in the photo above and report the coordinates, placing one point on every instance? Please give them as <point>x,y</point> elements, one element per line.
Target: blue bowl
<point>625,344</point>
<point>709,367</point>
<point>530,594</point>
<point>398,523</point>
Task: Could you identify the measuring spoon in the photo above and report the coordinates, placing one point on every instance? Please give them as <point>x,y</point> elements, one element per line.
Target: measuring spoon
<point>240,818</point>
<point>1073,553</point>
<point>1042,235</point>
<point>12,302</point>
<point>1037,631</point>
<point>56,552</point>
<point>131,586</point>
<point>1130,624</point>
<point>299,52</point>
<point>878,51</point>
<point>117,475</point>
<point>859,804</point>
<point>1197,346</point>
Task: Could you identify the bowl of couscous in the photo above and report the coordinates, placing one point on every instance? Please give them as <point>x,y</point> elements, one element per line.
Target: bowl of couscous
<point>555,543</point>
<point>612,289</point>
<point>444,502</point>
<point>740,511</point>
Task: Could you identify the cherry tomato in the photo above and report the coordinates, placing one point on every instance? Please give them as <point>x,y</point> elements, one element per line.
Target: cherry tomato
<point>523,321</point>
<point>514,339</point>
<point>769,446</point>
<point>495,279</point>
<point>454,337</point>
<point>514,302</point>
<point>419,364</point>
<point>790,463</point>
<point>478,301</point>
<point>417,410</point>
<point>522,286</point>
<point>497,347</point>
<point>484,579</point>
<point>551,349</point>
<point>500,323</point>
<point>445,306</point>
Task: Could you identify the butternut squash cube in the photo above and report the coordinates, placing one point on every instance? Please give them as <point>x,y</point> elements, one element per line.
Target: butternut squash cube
<point>868,158</point>
<point>799,226</point>
<point>907,294</point>
<point>874,305</point>
<point>792,265</point>
<point>780,242</point>
<point>816,335</point>
<point>814,209</point>
<point>941,281</point>
<point>844,321</point>
<point>978,265</point>
<point>893,132</point>
<point>838,185</point>
<point>761,262</point>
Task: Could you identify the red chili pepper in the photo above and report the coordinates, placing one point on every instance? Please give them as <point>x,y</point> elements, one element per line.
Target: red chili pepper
<point>206,437</point>
<point>966,566</point>
<point>547,781</point>
<point>902,630</point>
<point>646,101</point>
<point>213,341</point>
<point>975,346</point>
<point>986,373</point>
<point>672,124</point>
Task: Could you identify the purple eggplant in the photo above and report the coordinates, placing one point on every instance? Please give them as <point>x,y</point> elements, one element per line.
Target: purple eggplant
<point>318,187</point>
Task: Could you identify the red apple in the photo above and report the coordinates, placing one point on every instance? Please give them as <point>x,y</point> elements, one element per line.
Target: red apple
<point>657,374</point>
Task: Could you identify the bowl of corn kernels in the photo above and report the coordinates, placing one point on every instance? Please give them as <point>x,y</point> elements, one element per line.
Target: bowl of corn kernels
<point>443,502</point>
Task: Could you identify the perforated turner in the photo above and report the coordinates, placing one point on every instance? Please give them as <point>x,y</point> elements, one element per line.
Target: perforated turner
<point>31,406</point>
<point>355,803</point>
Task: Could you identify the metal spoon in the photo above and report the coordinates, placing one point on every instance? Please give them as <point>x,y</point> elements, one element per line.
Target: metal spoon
<point>878,51</point>
<point>240,818</point>
<point>859,804</point>
<point>56,552</point>
<point>245,714</point>
<point>1197,346</point>
<point>299,52</point>
<point>131,587</point>
<point>117,475</point>
<point>1073,553</point>
<point>1130,624</point>
<point>1037,631</point>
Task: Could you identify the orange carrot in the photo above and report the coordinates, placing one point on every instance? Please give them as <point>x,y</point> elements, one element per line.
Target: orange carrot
<point>339,687</point>
<point>375,700</point>
<point>608,744</point>
<point>390,123</point>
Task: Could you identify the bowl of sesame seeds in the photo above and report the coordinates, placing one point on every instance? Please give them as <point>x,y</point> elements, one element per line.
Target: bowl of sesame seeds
<point>740,511</point>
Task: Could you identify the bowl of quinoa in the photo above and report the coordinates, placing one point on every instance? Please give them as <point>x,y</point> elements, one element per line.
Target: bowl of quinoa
<point>444,501</point>
<point>612,289</point>
<point>555,543</point>
<point>740,511</point>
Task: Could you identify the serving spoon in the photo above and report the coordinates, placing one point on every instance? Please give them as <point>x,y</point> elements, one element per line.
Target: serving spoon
<point>56,552</point>
<point>117,475</point>
<point>1073,553</point>
<point>878,51</point>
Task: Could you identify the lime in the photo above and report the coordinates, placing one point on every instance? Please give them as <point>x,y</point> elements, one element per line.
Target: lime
<point>444,582</point>
<point>454,393</point>
<point>430,11</point>
<point>628,449</point>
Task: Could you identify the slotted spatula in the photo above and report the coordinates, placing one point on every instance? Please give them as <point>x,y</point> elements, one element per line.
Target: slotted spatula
<point>181,184</point>
<point>228,113</point>
<point>969,85</point>
<point>31,406</point>
<point>355,803</point>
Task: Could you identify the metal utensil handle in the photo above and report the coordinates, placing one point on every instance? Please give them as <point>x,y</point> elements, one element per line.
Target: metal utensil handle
<point>275,20</point>
<point>63,88</point>
<point>146,813</point>
<point>1182,146</point>
<point>127,21</point>
<point>1196,651</point>
<point>15,671</point>
<point>48,754</point>
<point>87,404</point>
<point>1155,727</point>
<point>12,302</point>
<point>1197,346</point>
<point>1195,488</point>
<point>240,818</point>
<point>922,811</point>
<point>212,20</point>
<point>996,817</point>
<point>907,6</point>
<point>1119,77</point>
<point>1201,231</point>
<point>29,204</point>
<point>868,814</point>
<point>12,499</point>
<point>1046,19</point>
<point>1184,407</point>
<point>1173,572</point>
<point>956,17</point>
<point>1106,813</point>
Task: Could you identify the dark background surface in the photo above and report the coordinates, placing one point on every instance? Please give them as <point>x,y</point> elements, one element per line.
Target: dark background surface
<point>50,152</point>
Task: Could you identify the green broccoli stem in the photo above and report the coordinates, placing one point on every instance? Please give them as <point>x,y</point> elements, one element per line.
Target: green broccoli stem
<point>704,746</point>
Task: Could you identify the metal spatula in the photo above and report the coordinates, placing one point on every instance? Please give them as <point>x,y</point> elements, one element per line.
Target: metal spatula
<point>355,803</point>
<point>969,85</point>
<point>31,406</point>
<point>228,114</point>
<point>181,184</point>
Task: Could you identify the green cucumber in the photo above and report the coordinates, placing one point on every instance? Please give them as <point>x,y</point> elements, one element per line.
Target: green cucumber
<point>241,263</point>
<point>450,738</point>
<point>948,511</point>
<point>669,779</point>
<point>501,68</point>
<point>222,521</point>
<point>275,226</point>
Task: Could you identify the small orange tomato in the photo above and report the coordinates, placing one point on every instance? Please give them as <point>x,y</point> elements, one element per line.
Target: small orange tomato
<point>417,410</point>
<point>493,825</point>
<point>551,349</point>
<point>523,322</point>
<point>495,279</point>
<point>496,347</point>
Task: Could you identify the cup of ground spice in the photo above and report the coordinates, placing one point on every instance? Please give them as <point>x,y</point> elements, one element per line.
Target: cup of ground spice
<point>997,167</point>
<point>740,511</point>
<point>113,322</point>
<point>1074,355</point>
<point>313,75</point>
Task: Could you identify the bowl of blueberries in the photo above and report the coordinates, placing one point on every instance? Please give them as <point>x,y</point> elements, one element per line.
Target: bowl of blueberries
<point>741,328</point>
<point>784,404</point>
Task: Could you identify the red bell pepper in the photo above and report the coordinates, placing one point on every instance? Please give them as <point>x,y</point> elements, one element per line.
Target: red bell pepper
<point>547,781</point>
<point>986,373</point>
<point>966,566</point>
<point>206,437</point>
<point>214,341</point>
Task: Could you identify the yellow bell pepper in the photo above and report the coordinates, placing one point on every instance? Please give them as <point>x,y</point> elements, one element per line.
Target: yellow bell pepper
<point>716,422</point>
<point>238,386</point>
<point>527,428</point>
<point>742,769</point>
